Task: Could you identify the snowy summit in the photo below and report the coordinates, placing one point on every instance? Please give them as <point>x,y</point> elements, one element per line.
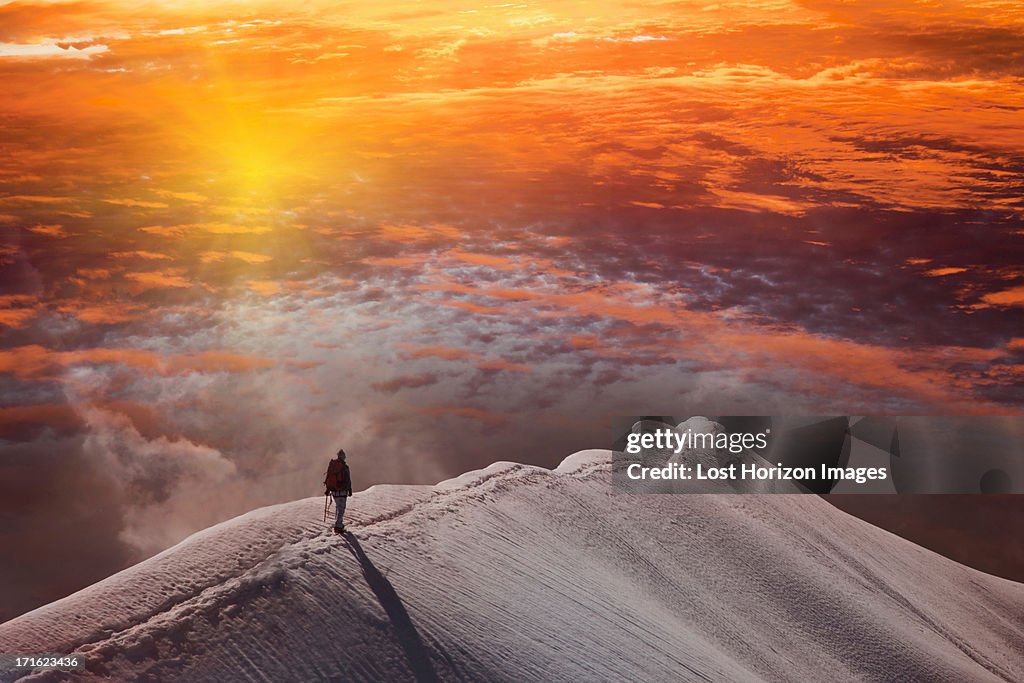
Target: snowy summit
<point>521,573</point>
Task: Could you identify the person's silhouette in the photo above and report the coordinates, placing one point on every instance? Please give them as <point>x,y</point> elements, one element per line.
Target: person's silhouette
<point>338,483</point>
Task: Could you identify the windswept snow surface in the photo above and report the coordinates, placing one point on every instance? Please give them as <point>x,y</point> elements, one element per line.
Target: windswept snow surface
<point>517,573</point>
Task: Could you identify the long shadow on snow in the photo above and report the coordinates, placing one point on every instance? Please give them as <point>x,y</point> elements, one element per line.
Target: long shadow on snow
<point>408,637</point>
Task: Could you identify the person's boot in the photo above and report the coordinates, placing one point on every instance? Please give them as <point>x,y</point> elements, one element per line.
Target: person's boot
<point>339,529</point>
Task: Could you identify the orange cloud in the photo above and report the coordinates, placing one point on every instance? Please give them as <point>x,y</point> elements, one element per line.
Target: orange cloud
<point>143,254</point>
<point>22,421</point>
<point>94,273</point>
<point>399,261</point>
<point>110,313</point>
<point>34,199</point>
<point>1008,297</point>
<point>17,309</point>
<point>193,197</point>
<point>16,317</point>
<point>504,366</point>
<point>214,227</point>
<point>443,352</point>
<point>220,228</point>
<point>584,342</point>
<point>16,300</point>
<point>942,272</point>
<point>159,279</point>
<point>53,230</point>
<point>137,203</point>
<point>500,262</point>
<point>246,256</point>
<point>264,287</point>
<point>35,362</point>
<point>417,233</point>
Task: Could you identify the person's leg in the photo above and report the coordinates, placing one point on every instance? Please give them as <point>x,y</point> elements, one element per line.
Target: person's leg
<point>339,511</point>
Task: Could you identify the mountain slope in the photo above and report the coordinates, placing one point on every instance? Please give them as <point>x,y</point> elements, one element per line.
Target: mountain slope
<point>521,573</point>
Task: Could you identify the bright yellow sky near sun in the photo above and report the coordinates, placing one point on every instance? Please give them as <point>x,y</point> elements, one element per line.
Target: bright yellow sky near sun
<point>264,109</point>
<point>262,94</point>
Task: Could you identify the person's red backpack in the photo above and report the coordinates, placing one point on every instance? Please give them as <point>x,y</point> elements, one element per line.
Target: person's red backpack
<point>336,479</point>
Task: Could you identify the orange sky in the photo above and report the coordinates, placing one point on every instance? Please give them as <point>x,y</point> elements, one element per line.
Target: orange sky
<point>447,233</point>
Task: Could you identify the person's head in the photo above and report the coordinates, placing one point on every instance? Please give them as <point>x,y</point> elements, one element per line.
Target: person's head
<point>341,454</point>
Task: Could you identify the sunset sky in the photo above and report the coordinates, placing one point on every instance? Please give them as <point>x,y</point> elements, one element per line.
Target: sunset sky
<point>237,236</point>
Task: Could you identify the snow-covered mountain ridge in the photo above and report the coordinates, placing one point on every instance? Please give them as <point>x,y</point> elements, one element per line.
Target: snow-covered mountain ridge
<point>521,573</point>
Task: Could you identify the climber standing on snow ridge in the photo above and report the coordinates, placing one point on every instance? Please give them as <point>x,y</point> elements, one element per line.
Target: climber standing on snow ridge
<point>338,483</point>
